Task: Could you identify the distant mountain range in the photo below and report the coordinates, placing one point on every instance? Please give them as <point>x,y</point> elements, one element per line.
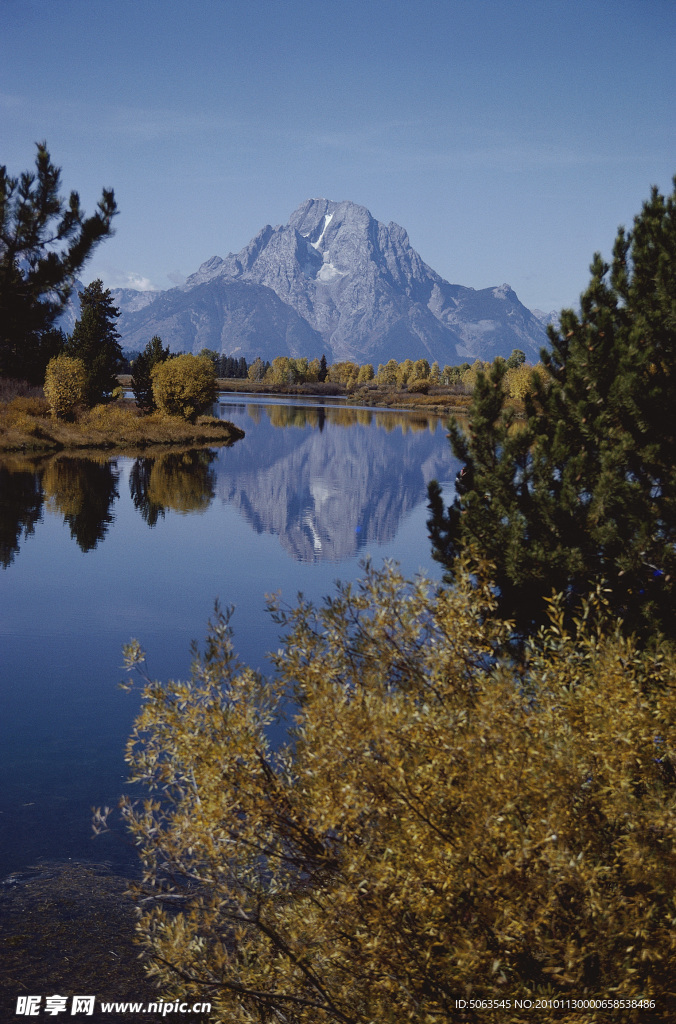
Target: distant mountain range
<point>332,280</point>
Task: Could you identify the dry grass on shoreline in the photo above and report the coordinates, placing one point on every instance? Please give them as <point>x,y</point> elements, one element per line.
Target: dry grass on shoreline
<point>26,425</point>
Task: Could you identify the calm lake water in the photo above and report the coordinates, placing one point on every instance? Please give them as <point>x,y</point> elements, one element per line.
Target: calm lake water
<point>97,551</point>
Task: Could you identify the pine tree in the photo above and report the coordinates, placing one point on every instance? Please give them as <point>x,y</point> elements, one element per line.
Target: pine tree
<point>141,381</point>
<point>583,491</point>
<point>485,515</point>
<point>95,341</point>
<point>44,243</point>
<point>517,358</point>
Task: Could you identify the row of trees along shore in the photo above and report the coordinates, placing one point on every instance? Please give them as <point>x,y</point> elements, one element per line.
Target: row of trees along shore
<point>473,815</point>
<point>410,374</point>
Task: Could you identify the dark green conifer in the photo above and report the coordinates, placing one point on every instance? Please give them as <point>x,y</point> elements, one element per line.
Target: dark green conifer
<point>95,341</point>
<point>141,380</point>
<point>44,243</point>
<point>583,491</point>
<point>517,358</point>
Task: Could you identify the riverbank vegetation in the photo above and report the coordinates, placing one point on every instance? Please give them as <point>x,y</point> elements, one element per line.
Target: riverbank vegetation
<point>26,424</point>
<point>444,399</point>
<point>401,385</point>
<point>443,823</point>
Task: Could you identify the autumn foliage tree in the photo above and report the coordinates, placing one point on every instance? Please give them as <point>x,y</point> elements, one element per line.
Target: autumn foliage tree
<point>441,822</point>
<point>184,386</point>
<point>65,385</point>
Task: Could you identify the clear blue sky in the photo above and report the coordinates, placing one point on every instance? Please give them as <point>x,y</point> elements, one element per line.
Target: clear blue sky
<point>509,137</point>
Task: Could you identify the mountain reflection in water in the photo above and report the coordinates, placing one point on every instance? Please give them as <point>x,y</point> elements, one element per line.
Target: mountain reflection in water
<point>342,479</point>
<point>327,481</point>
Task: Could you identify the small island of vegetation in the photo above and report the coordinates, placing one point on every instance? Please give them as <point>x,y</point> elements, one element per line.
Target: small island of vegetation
<point>26,425</point>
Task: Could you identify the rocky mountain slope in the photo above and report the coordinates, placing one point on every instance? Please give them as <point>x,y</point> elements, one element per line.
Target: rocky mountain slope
<point>333,280</point>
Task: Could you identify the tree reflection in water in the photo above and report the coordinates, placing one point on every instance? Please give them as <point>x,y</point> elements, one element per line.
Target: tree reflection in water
<point>83,491</point>
<point>139,480</point>
<point>181,481</point>
<point>20,505</point>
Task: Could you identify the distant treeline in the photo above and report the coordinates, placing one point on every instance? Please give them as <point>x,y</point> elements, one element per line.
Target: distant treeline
<point>414,375</point>
<point>225,366</point>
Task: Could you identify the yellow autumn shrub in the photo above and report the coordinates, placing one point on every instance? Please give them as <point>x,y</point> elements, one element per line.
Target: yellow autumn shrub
<point>65,385</point>
<point>519,380</point>
<point>449,819</point>
<point>184,385</point>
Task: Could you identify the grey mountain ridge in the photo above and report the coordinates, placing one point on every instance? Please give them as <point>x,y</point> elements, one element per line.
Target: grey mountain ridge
<point>332,280</point>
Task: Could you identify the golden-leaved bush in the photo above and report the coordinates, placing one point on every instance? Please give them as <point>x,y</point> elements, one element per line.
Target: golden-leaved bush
<point>184,385</point>
<point>65,385</point>
<point>447,818</point>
